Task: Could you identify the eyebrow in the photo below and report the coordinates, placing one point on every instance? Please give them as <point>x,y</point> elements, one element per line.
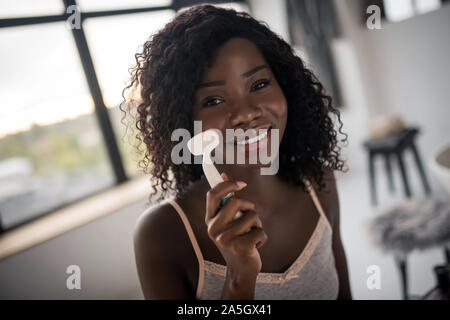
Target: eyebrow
<point>244,75</point>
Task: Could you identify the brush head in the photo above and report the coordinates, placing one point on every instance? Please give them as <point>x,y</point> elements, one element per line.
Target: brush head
<point>204,142</point>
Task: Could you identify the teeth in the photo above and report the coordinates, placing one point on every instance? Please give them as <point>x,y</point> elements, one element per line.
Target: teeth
<point>253,140</point>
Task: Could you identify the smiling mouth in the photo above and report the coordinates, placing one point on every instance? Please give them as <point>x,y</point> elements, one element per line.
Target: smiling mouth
<point>254,139</point>
<point>252,135</point>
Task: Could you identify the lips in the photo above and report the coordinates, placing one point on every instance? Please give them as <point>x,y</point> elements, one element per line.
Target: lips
<point>262,143</point>
<point>255,139</point>
<point>252,135</point>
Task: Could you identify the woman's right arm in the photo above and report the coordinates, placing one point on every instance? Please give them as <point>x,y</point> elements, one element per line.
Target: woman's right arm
<point>161,273</point>
<point>160,267</point>
<point>238,240</point>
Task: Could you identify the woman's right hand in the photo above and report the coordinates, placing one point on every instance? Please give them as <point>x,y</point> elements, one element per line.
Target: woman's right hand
<point>238,247</point>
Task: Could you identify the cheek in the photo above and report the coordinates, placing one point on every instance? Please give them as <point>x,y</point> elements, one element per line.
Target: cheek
<point>279,110</point>
<point>210,119</point>
<point>278,106</point>
<point>284,110</point>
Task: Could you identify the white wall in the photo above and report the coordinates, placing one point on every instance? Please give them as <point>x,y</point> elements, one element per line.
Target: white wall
<point>403,68</point>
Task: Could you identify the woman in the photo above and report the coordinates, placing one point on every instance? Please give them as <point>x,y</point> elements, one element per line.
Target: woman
<point>230,71</point>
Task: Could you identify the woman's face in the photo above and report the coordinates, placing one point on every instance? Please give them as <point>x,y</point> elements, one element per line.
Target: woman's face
<point>240,92</point>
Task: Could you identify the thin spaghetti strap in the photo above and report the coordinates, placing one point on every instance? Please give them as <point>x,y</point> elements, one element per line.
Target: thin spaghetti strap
<point>316,201</point>
<point>194,243</point>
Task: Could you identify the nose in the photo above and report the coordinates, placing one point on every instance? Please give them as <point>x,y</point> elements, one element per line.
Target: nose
<point>245,113</point>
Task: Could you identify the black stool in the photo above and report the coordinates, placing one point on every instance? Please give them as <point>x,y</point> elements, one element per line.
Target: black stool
<point>394,145</point>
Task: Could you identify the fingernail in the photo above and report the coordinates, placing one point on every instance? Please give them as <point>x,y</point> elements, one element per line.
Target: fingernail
<point>241,184</point>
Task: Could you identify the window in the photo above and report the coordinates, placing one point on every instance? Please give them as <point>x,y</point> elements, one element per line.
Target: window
<point>29,8</point>
<point>51,149</point>
<point>97,5</point>
<point>113,41</point>
<point>397,10</point>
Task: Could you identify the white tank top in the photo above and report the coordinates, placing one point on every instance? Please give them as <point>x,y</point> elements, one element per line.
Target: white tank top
<point>312,275</point>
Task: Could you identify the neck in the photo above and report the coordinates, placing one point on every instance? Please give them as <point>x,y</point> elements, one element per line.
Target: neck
<point>261,188</point>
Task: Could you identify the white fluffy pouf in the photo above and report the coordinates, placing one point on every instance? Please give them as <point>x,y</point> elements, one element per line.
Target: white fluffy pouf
<point>414,224</point>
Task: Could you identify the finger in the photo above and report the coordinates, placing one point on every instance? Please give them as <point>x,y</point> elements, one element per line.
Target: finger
<point>226,214</point>
<point>215,195</point>
<point>249,220</point>
<point>225,178</point>
<point>249,240</point>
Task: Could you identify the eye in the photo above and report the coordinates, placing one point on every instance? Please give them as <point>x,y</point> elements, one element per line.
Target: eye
<point>211,101</point>
<point>261,84</point>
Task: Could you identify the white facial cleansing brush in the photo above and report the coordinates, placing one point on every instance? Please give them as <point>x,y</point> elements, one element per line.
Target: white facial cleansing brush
<point>203,144</point>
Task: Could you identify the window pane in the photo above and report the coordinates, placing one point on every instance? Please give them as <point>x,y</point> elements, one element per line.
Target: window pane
<point>29,8</point>
<point>397,10</point>
<point>51,149</point>
<point>97,5</point>
<point>113,42</point>
<point>424,6</point>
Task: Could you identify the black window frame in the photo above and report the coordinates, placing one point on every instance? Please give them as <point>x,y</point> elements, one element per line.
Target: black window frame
<point>90,74</point>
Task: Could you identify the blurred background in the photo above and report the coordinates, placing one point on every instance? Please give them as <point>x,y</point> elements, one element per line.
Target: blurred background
<point>70,186</point>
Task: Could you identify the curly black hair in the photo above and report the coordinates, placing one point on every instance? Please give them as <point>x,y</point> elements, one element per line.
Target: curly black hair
<point>171,64</point>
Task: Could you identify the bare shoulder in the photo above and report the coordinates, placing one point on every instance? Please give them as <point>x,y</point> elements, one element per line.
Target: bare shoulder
<point>159,231</point>
<point>152,222</point>
<point>159,253</point>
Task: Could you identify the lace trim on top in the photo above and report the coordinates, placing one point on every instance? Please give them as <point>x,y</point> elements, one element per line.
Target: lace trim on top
<point>291,272</point>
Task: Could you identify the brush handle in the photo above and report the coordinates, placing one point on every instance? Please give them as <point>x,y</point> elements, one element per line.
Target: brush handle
<point>212,175</point>
<point>224,199</point>
<point>214,178</point>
